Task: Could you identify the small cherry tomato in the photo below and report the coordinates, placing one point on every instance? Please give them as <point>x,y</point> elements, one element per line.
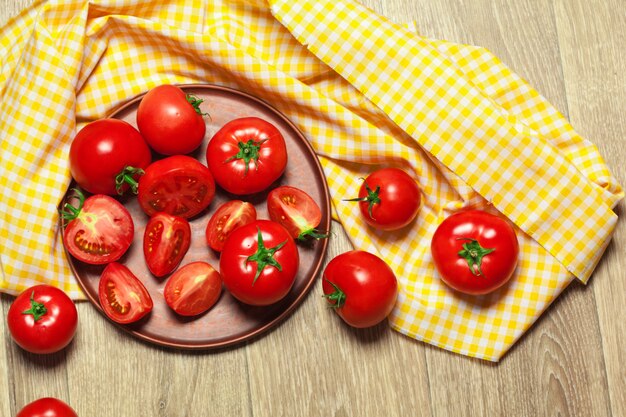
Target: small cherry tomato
<point>228,217</point>
<point>123,297</point>
<point>475,251</point>
<point>296,211</point>
<point>178,185</point>
<point>193,289</point>
<point>170,120</point>
<point>389,199</point>
<point>361,287</point>
<point>247,155</point>
<point>42,319</point>
<point>259,263</point>
<point>107,156</point>
<point>100,230</point>
<point>166,240</point>
<point>47,407</point>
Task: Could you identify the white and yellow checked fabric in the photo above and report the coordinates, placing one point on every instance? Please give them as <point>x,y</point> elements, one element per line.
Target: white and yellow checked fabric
<point>366,93</point>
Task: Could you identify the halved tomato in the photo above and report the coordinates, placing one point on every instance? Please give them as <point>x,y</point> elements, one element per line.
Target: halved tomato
<point>296,211</point>
<point>122,295</point>
<point>228,217</point>
<point>165,242</point>
<point>100,230</point>
<point>193,289</point>
<point>178,185</point>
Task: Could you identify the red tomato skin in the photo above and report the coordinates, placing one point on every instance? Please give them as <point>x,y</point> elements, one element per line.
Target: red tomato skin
<point>166,240</point>
<point>400,199</point>
<point>369,284</point>
<point>294,209</point>
<point>238,275</point>
<point>178,185</point>
<point>53,331</point>
<point>47,407</point>
<point>101,150</point>
<point>123,297</point>
<point>490,231</point>
<point>193,289</point>
<point>228,217</point>
<point>168,122</point>
<point>114,226</point>
<point>231,175</point>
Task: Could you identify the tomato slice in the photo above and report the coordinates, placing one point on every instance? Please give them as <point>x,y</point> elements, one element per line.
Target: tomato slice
<point>166,240</point>
<point>296,211</point>
<point>193,289</point>
<point>177,185</point>
<point>122,295</point>
<point>228,217</point>
<point>100,230</point>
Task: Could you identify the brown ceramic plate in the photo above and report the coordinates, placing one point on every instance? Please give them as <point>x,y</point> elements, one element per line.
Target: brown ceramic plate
<point>229,321</point>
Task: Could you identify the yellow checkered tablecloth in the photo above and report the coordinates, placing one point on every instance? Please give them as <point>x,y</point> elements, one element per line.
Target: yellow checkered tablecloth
<point>366,92</point>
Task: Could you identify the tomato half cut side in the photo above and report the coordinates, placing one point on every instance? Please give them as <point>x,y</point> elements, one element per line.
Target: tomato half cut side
<point>228,217</point>
<point>100,230</point>
<point>123,297</point>
<point>177,185</point>
<point>296,211</point>
<point>193,289</point>
<point>166,240</point>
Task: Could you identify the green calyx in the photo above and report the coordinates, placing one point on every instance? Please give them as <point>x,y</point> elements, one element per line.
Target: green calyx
<point>195,103</point>
<point>264,256</point>
<point>473,253</point>
<point>69,212</point>
<point>372,197</point>
<point>127,176</point>
<point>37,310</point>
<point>314,233</point>
<point>337,296</point>
<point>248,151</point>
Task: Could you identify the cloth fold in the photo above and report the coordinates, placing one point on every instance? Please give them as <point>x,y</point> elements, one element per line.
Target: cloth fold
<point>367,93</point>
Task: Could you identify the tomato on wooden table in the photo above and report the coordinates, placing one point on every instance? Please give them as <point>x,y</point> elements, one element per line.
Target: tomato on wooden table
<point>166,240</point>
<point>193,289</point>
<point>170,120</point>
<point>259,263</point>
<point>42,319</point>
<point>296,211</point>
<point>247,155</point>
<point>107,156</point>
<point>123,297</point>
<point>177,185</point>
<point>100,230</point>
<point>389,199</point>
<point>47,407</point>
<point>361,287</point>
<point>228,217</point>
<point>475,251</point>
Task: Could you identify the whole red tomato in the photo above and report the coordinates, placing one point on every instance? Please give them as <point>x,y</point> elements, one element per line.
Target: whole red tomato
<point>47,407</point>
<point>296,211</point>
<point>42,319</point>
<point>193,289</point>
<point>247,155</point>
<point>389,199</point>
<point>177,185</point>
<point>107,156</point>
<point>228,217</point>
<point>475,251</point>
<point>361,287</point>
<point>166,240</point>
<point>100,230</point>
<point>259,263</point>
<point>170,120</point>
<point>123,297</point>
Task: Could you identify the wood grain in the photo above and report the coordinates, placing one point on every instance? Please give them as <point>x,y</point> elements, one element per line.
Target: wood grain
<point>568,364</point>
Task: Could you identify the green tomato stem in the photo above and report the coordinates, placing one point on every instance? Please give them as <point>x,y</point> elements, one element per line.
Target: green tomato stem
<point>473,253</point>
<point>373,197</point>
<point>338,296</point>
<point>69,212</point>
<point>248,151</point>
<point>127,176</point>
<point>37,310</point>
<point>264,256</point>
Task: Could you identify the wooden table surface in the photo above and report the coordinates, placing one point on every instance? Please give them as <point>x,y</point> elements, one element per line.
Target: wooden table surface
<point>570,363</point>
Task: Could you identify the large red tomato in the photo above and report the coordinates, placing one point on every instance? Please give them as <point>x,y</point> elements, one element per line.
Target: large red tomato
<point>259,263</point>
<point>228,217</point>
<point>107,156</point>
<point>123,297</point>
<point>170,120</point>
<point>193,289</point>
<point>166,240</point>
<point>361,287</point>
<point>42,319</point>
<point>178,185</point>
<point>296,211</point>
<point>47,407</point>
<point>247,155</point>
<point>100,230</point>
<point>389,199</point>
<point>474,251</point>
